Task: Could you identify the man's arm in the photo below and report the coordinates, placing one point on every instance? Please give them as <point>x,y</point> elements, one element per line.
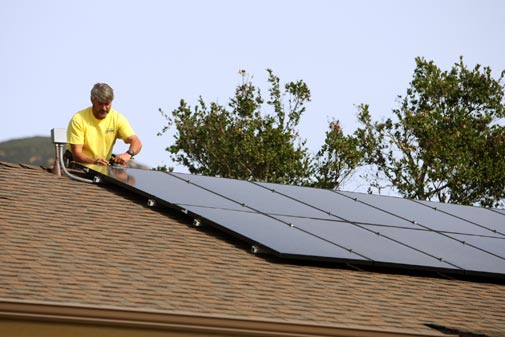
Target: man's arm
<point>135,143</point>
<point>80,157</point>
<point>135,146</point>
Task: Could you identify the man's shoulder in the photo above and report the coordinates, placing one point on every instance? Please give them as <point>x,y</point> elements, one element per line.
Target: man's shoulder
<point>83,114</point>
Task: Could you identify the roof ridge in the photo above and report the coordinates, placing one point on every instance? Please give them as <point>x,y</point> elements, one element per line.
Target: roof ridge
<point>9,164</point>
<point>22,165</point>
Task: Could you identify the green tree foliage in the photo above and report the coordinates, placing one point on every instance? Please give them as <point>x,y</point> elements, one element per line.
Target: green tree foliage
<point>240,140</point>
<point>445,142</point>
<point>338,158</point>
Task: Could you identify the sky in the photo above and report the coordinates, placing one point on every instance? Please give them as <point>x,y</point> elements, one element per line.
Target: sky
<point>156,52</point>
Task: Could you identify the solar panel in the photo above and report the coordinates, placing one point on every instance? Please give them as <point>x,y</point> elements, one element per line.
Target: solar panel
<point>246,193</point>
<point>371,242</point>
<point>428,217</point>
<point>277,236</point>
<point>484,217</point>
<point>165,187</point>
<point>337,206</point>
<point>310,223</point>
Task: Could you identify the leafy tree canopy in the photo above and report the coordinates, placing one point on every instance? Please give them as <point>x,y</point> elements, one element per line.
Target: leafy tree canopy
<point>241,140</point>
<point>445,141</point>
<point>338,158</point>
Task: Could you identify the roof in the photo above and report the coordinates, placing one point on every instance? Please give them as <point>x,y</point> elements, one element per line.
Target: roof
<point>70,243</point>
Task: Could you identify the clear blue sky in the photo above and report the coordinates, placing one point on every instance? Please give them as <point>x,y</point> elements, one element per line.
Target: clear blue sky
<point>153,53</point>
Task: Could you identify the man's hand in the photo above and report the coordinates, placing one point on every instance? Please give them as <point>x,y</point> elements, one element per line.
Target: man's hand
<point>122,159</point>
<point>101,161</point>
<point>80,157</point>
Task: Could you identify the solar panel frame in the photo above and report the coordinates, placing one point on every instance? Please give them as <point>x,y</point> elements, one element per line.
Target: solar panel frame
<point>296,222</point>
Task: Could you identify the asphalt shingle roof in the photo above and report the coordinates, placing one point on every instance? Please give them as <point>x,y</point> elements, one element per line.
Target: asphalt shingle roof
<point>64,241</point>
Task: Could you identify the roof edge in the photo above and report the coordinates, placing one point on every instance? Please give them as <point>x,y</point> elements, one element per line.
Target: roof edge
<point>107,316</point>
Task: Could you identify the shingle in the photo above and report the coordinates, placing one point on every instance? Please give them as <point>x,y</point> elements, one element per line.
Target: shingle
<point>65,241</point>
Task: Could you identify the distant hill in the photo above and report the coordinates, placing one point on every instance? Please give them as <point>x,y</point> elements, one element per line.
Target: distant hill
<point>37,151</point>
<point>32,150</point>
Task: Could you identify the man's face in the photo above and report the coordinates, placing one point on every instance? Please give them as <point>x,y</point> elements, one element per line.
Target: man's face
<point>101,107</point>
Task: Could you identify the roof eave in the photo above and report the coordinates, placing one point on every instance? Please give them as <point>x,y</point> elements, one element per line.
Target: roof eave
<point>71,313</point>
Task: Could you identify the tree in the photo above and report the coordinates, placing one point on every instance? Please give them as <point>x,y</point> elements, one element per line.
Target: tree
<point>242,141</point>
<point>338,158</point>
<point>445,142</point>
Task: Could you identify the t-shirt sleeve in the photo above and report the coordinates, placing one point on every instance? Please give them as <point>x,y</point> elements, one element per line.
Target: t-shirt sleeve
<point>124,128</point>
<point>75,131</point>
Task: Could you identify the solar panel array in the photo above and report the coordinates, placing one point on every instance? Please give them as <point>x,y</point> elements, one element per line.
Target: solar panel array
<point>318,224</point>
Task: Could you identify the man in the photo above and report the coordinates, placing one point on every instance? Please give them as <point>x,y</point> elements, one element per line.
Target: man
<point>92,132</point>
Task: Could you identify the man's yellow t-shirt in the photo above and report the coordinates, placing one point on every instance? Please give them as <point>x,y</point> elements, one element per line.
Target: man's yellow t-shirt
<point>97,136</point>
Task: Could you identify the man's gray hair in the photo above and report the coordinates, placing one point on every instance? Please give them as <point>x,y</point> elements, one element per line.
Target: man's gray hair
<point>102,91</point>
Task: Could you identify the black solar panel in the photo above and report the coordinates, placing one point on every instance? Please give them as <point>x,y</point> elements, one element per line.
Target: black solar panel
<point>433,217</point>
<point>311,223</point>
<point>490,219</point>
<point>276,236</point>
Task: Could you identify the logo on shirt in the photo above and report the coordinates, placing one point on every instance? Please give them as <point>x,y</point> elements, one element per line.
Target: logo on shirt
<point>109,130</point>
